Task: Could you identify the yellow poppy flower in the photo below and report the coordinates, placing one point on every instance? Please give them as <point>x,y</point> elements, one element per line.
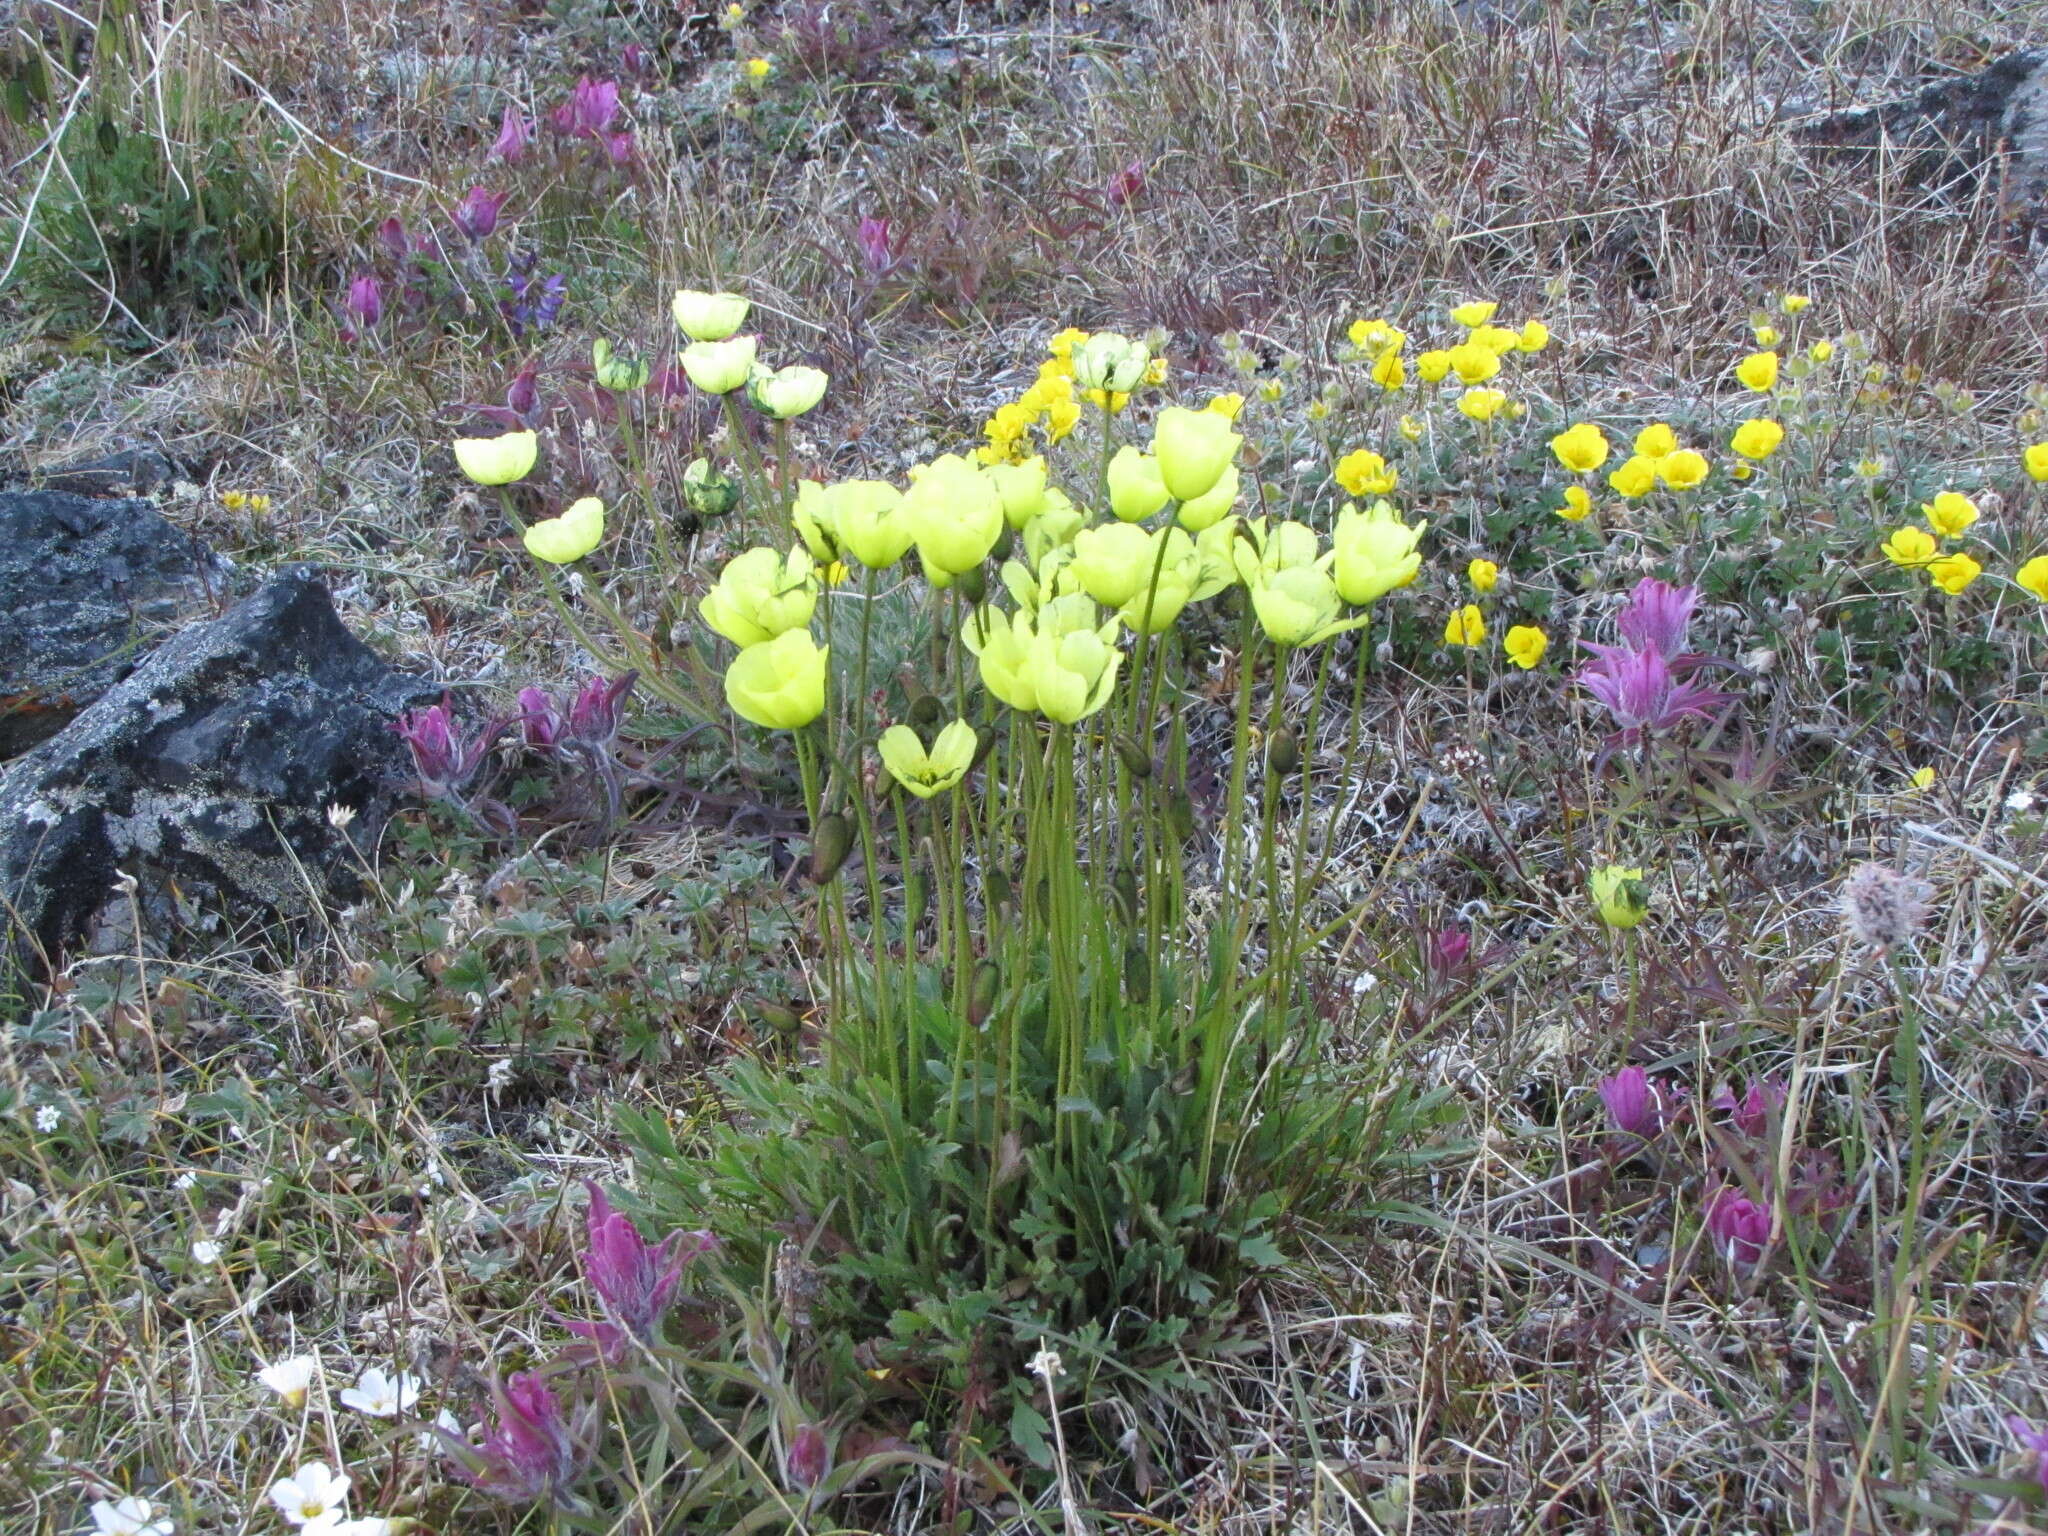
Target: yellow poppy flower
<point>1954,572</point>
<point>1483,574</point>
<point>1759,371</point>
<point>1525,645</point>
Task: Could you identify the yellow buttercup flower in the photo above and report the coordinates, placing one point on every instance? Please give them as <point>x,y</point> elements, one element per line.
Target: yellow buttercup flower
<point>1226,406</point>
<point>1656,440</point>
<point>1794,303</point>
<point>1432,367</point>
<point>2034,576</point>
<point>1821,351</point>
<point>1375,552</point>
<point>1388,371</point>
<point>1525,645</point>
<point>1467,627</point>
<point>779,684</point>
<point>923,772</point>
<point>1580,449</point>
<point>569,537</point>
<point>1950,513</point>
<point>2036,460</point>
<point>1365,473</point>
<point>1483,574</point>
<point>1682,470</point>
<point>498,460</point>
<point>1473,363</point>
<point>1922,778</point>
<point>1410,427</point>
<point>838,573</point>
<point>1910,546</point>
<point>1768,336</point>
<point>1954,572</point>
<point>1620,895</point>
<point>1482,404</point>
<point>1497,339</point>
<point>1757,438</point>
<point>1759,371</point>
<point>758,69</point>
<point>1376,336</point>
<point>1535,336</point>
<point>1474,314</point>
<point>1578,504</point>
<point>1636,477</point>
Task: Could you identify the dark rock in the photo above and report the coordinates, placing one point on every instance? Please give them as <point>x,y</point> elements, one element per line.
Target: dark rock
<point>125,472</point>
<point>86,587</point>
<point>207,776</point>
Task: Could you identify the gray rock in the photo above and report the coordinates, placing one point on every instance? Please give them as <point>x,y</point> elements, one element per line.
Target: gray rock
<point>86,588</point>
<point>125,472</point>
<point>207,775</point>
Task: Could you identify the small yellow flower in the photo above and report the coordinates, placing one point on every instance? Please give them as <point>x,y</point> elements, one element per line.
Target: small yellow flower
<point>258,503</point>
<point>1869,469</point>
<point>1155,371</point>
<point>1410,427</point>
<point>1759,371</point>
<point>1954,572</point>
<point>1682,470</point>
<point>1473,362</point>
<point>1821,351</point>
<point>1226,406</point>
<point>1062,345</point>
<point>1768,336</point>
<point>1497,339</point>
<point>1656,440</point>
<point>1388,371</point>
<point>1950,513</point>
<point>1922,778</point>
<point>1376,336</point>
<point>2036,460</point>
<point>1432,366</point>
<point>759,69</point>
<point>1637,477</point>
<point>1483,574</point>
<point>1535,336</point>
<point>1757,438</point>
<point>1482,404</point>
<point>1578,504</point>
<point>1910,546</point>
<point>1474,314</point>
<point>1794,303</point>
<point>836,574</point>
<point>1741,471</point>
<point>1272,390</point>
<point>1580,449</point>
<point>1365,473</point>
<point>1525,645</point>
<point>2034,576</point>
<point>1467,627</point>
<point>234,501</point>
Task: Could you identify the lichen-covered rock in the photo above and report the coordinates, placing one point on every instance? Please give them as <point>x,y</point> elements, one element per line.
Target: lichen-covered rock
<point>208,775</point>
<point>87,587</point>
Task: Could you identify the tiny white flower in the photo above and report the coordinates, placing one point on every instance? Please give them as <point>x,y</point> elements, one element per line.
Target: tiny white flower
<point>310,1493</point>
<point>381,1396</point>
<point>1046,1363</point>
<point>130,1516</point>
<point>185,1180</point>
<point>2020,801</point>
<point>289,1379</point>
<point>339,816</point>
<point>429,1441</point>
<point>206,1251</point>
<point>48,1119</point>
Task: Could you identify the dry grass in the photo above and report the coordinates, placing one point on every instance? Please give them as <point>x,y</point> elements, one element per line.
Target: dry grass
<point>1545,1349</point>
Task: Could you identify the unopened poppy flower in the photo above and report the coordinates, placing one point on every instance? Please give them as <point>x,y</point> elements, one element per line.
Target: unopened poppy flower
<point>616,371</point>
<point>2034,576</point>
<point>1482,404</point>
<point>1136,488</point>
<point>780,683</point>
<point>719,367</point>
<point>1193,448</point>
<point>1365,473</point>
<point>1954,572</point>
<point>1483,574</point>
<point>1950,513</point>
<point>1475,313</point>
<point>2036,460</point>
<point>1474,363</point>
<point>1636,477</point>
<point>708,316</point>
<point>1759,371</point>
<point>1212,506</point>
<point>1578,504</point>
<point>1375,553</point>
<point>1525,645</point>
<point>1619,895</point>
<point>1682,470</point>
<point>1466,627</point>
<point>1910,546</point>
<point>786,392</point>
<point>1581,448</point>
<point>565,539</point>
<point>498,460</point>
<point>1656,440</point>
<point>957,513</point>
<point>923,772</point>
<point>1757,438</point>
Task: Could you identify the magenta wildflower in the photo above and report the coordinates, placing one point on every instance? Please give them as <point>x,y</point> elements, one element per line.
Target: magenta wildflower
<point>392,236</point>
<point>442,757</point>
<point>594,713</point>
<point>2034,1442</point>
<point>476,216</point>
<point>513,134</point>
<point>879,246</point>
<point>1738,1225</point>
<point>619,147</point>
<point>1656,617</point>
<point>670,385</point>
<point>540,723</point>
<point>531,1453</point>
<point>1126,184</point>
<point>1642,694</point>
<point>1751,1113</point>
<point>1635,1101</point>
<point>364,301</point>
<point>810,1457</point>
<point>1446,953</point>
<point>522,396</point>
<point>635,1280</point>
<point>590,110</point>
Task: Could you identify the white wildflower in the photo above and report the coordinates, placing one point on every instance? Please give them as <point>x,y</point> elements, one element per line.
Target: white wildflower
<point>206,1251</point>
<point>311,1493</point>
<point>381,1396</point>
<point>48,1118</point>
<point>289,1379</point>
<point>130,1516</point>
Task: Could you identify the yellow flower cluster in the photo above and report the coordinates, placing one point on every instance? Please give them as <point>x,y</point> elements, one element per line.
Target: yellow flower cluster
<point>1052,403</point>
<point>1474,360</point>
<point>255,503</point>
<point>1949,515</point>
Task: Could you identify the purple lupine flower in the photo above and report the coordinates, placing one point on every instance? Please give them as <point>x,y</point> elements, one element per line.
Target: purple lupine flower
<point>535,303</point>
<point>476,216</point>
<point>443,759</point>
<point>513,134</point>
<point>364,301</point>
<point>1125,184</point>
<point>540,723</point>
<point>1642,694</point>
<point>1738,1225</point>
<point>531,1453</point>
<point>2034,1442</point>
<point>1635,1102</point>
<point>1751,1113</point>
<point>878,246</point>
<point>810,1457</point>
<point>1656,617</point>
<point>635,1280</point>
<point>392,236</point>
<point>594,713</point>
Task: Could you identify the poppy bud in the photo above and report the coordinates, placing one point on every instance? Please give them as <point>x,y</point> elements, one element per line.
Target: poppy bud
<point>1283,752</point>
<point>831,842</point>
<point>707,492</point>
<point>1137,973</point>
<point>981,993</point>
<point>973,583</point>
<point>775,1018</point>
<point>1137,762</point>
<point>926,711</point>
<point>1123,894</point>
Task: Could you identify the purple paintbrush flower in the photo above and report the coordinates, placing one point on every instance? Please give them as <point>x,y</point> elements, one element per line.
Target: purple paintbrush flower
<point>1657,616</point>
<point>513,134</point>
<point>540,723</point>
<point>442,756</point>
<point>476,216</point>
<point>1635,1102</point>
<point>1642,694</point>
<point>532,1452</point>
<point>2034,1442</point>
<point>595,713</point>
<point>878,246</point>
<point>635,1280</point>
<point>364,300</point>
<point>1751,1113</point>
<point>1738,1225</point>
